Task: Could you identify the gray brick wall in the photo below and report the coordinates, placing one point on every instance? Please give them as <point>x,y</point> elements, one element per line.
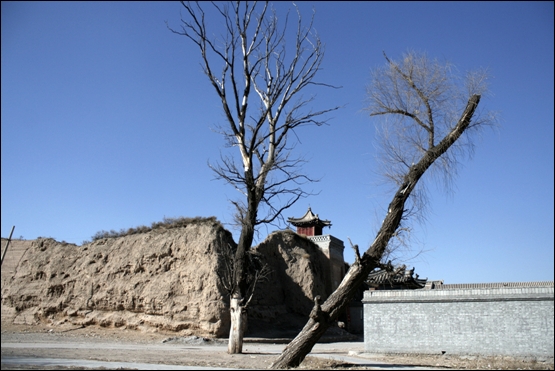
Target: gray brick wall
<point>516,321</point>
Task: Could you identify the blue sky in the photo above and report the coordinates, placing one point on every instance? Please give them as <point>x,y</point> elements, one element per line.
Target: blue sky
<point>106,124</point>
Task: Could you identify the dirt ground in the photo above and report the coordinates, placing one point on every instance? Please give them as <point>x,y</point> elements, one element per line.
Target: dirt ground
<point>122,345</point>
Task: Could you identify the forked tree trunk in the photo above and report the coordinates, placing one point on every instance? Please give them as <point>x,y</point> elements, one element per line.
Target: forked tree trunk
<point>238,325</point>
<point>322,317</point>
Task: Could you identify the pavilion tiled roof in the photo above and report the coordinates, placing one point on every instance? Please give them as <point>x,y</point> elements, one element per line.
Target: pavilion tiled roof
<point>397,278</point>
<point>309,219</point>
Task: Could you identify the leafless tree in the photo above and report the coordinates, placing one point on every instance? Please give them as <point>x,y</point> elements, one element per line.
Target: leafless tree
<point>430,117</point>
<point>259,80</point>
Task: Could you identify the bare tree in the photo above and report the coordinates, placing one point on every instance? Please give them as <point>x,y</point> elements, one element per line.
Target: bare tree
<point>429,118</point>
<point>259,80</point>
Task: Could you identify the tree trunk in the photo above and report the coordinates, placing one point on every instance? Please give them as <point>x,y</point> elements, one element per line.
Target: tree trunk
<point>322,317</point>
<point>237,308</point>
<point>238,325</point>
<point>296,351</point>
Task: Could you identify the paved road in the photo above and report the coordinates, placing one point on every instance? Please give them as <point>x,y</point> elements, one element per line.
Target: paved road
<point>18,355</point>
<point>26,362</point>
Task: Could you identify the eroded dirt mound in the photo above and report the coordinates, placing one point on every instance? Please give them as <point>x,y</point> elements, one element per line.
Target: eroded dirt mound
<point>299,272</point>
<point>165,278</point>
<point>161,279</point>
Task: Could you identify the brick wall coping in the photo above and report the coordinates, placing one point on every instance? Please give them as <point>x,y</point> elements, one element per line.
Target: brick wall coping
<point>493,285</point>
<point>325,238</point>
<point>485,293</point>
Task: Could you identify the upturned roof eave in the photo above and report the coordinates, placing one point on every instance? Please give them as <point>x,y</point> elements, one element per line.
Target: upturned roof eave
<point>309,219</point>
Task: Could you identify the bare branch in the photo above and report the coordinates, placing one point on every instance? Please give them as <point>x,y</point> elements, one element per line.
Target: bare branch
<point>260,275</point>
<point>355,248</point>
<point>420,101</point>
<point>256,40</point>
<point>226,272</point>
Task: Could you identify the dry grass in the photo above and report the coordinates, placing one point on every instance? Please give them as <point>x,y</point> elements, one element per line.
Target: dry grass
<point>166,223</point>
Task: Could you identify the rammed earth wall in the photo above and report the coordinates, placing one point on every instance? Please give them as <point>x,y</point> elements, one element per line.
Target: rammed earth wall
<point>481,319</point>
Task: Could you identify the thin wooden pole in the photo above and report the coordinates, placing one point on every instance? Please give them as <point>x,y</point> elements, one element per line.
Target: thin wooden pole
<point>7,244</point>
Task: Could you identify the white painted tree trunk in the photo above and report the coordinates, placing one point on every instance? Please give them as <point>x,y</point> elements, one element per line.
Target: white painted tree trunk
<point>238,325</point>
